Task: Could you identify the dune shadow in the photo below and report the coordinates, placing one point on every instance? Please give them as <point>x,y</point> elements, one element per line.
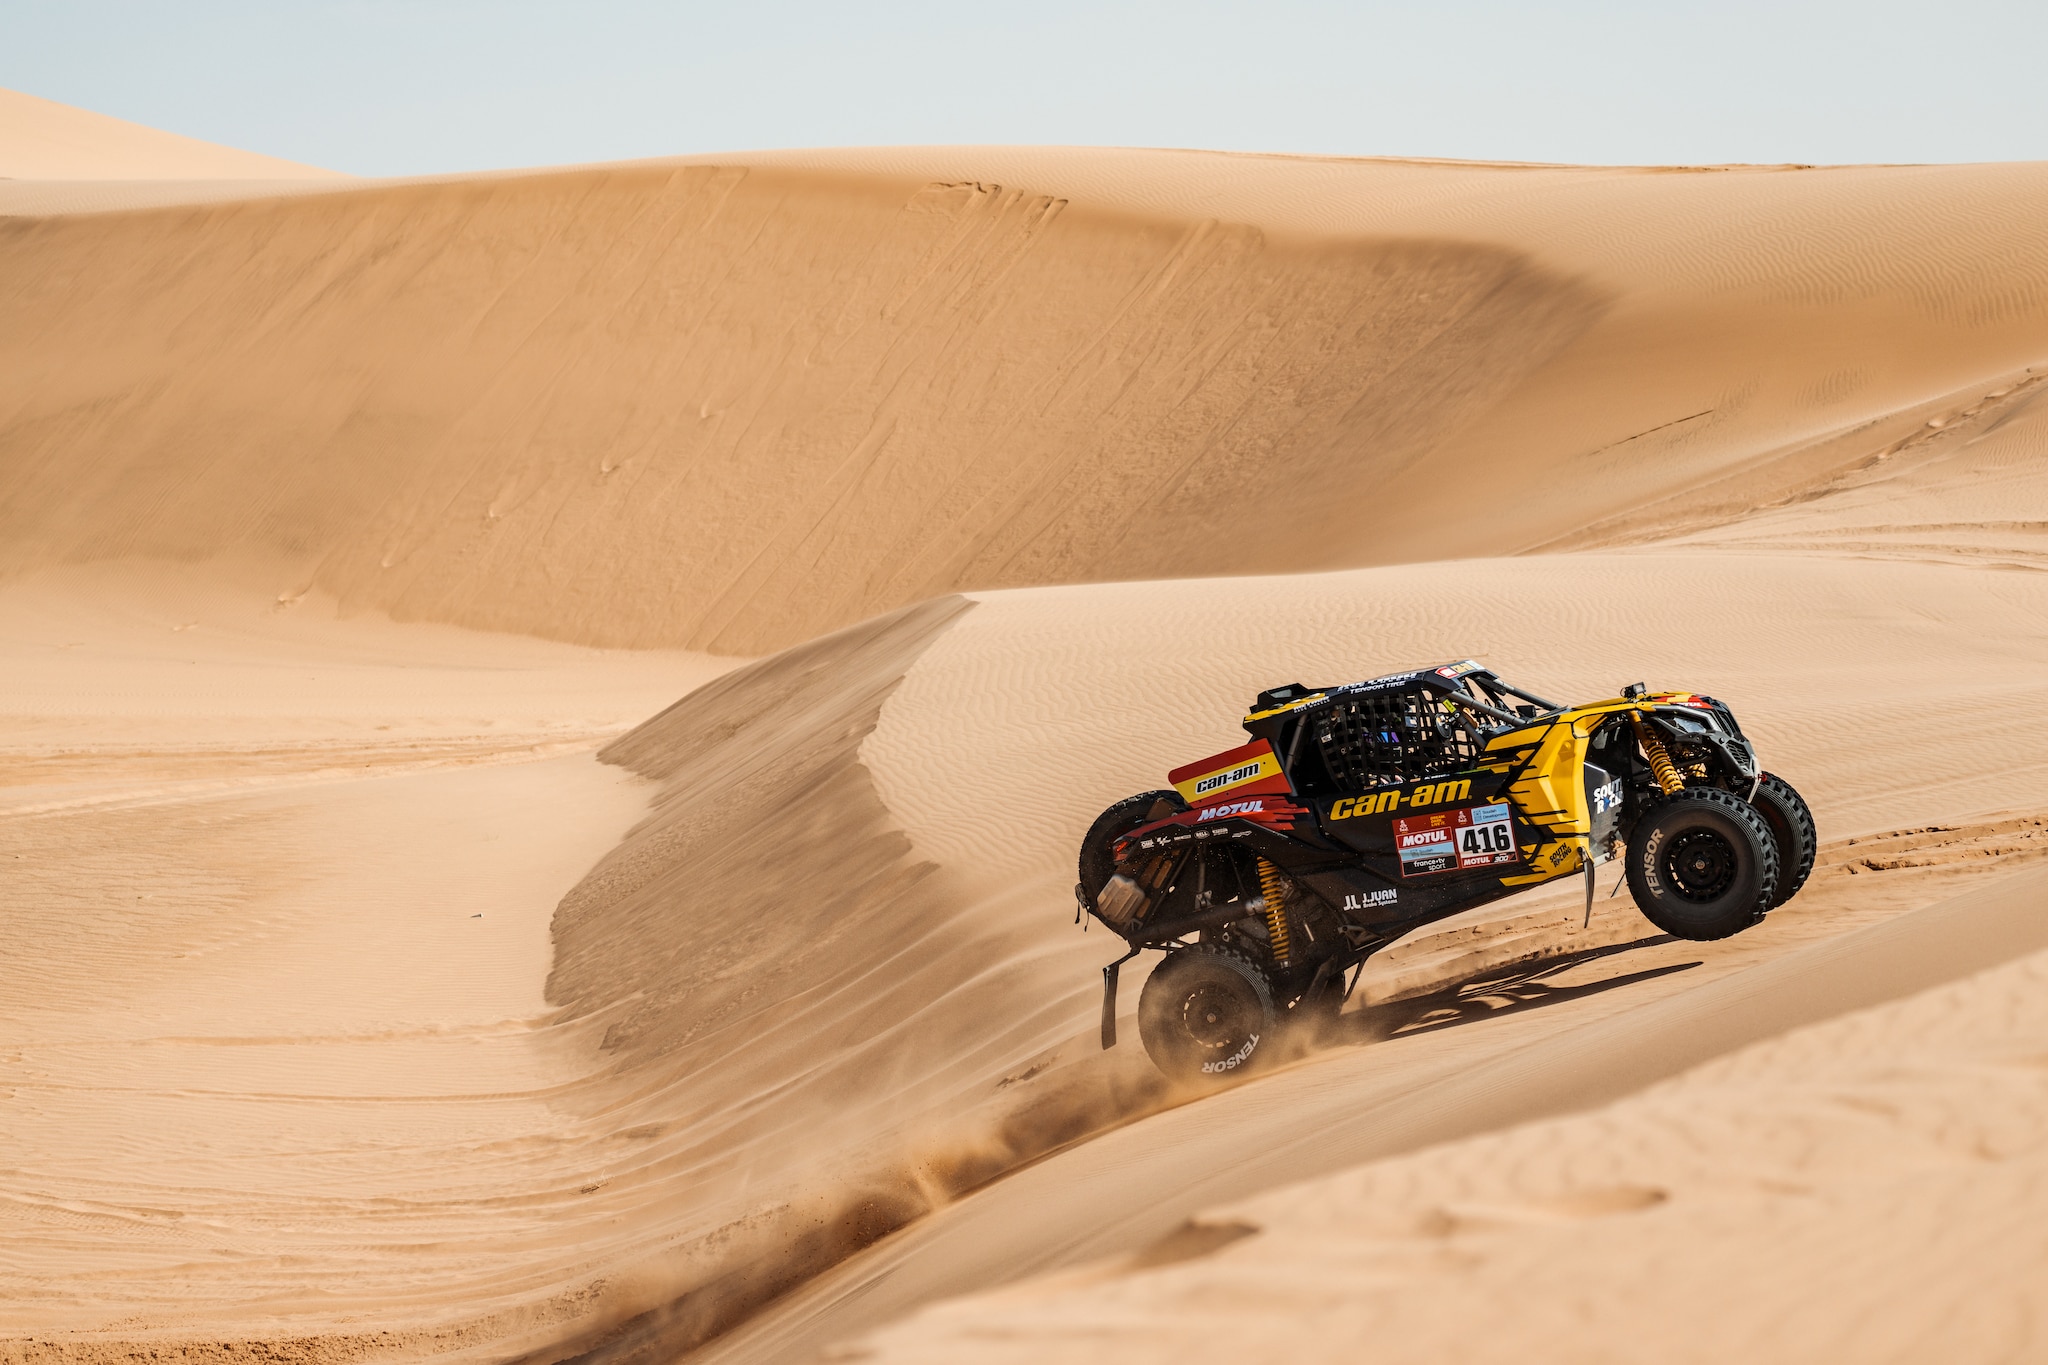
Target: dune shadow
<point>1497,992</point>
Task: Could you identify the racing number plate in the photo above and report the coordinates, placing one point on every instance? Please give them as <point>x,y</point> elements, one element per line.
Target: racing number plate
<point>1449,840</point>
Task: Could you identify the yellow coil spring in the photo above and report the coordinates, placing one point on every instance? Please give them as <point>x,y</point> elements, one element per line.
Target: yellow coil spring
<point>1661,766</point>
<point>1276,910</point>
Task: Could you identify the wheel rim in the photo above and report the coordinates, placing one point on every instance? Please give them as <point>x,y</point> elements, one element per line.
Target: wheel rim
<point>1216,1018</point>
<point>1700,864</point>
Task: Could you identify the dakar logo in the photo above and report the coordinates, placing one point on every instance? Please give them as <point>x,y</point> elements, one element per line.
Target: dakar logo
<point>1235,1059</point>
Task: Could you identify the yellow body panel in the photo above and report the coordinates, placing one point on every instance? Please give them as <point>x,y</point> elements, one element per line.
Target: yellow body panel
<point>1551,795</point>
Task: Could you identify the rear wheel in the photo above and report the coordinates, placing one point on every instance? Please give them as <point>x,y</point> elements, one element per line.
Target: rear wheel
<point>1206,1013</point>
<point>1791,822</point>
<point>1702,864</point>
<point>1098,847</point>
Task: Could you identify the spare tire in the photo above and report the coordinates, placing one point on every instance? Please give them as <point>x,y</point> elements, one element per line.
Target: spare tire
<point>1702,864</point>
<point>1098,847</point>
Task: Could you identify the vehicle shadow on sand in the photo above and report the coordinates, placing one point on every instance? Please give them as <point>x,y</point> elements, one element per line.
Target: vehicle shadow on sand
<point>1497,992</point>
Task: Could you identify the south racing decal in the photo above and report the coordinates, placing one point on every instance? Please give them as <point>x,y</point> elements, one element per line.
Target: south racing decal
<point>1453,840</point>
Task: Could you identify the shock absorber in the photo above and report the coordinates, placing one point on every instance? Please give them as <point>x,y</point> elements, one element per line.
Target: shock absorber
<point>1661,766</point>
<point>1276,910</point>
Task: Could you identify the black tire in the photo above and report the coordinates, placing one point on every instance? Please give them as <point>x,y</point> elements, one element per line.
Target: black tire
<point>1702,864</point>
<point>1098,847</point>
<point>1207,1014</point>
<point>1791,822</point>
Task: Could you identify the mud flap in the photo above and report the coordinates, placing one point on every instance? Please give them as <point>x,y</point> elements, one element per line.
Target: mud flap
<point>1109,974</point>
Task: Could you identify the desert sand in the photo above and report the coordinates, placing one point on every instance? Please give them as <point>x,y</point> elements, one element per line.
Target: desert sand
<point>550,714</point>
<point>55,158</point>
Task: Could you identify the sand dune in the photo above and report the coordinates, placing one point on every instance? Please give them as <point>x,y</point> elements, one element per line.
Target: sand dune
<point>278,890</point>
<point>420,955</point>
<point>43,140</point>
<point>1597,1036</point>
<point>1860,1189</point>
<point>730,406</point>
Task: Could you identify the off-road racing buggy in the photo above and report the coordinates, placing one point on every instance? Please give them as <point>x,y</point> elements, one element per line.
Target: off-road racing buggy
<point>1271,872</point>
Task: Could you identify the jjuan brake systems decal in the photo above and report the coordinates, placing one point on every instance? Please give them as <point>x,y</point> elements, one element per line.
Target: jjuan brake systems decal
<point>1428,794</point>
<point>1471,836</point>
<point>1372,900</point>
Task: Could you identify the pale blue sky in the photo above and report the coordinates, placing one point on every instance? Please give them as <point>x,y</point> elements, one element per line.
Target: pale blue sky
<point>407,86</point>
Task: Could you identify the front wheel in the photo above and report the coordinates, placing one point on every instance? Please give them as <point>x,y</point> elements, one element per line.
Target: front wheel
<point>1702,864</point>
<point>1206,1013</point>
<point>1791,822</point>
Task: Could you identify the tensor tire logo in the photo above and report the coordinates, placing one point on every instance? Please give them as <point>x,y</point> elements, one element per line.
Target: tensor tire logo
<point>1235,1059</point>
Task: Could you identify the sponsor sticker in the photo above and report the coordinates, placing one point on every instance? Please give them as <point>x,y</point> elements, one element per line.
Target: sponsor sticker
<point>1242,771</point>
<point>1607,797</point>
<point>1452,840</point>
<point>1374,803</point>
<point>1234,1060</point>
<point>1371,900</point>
<point>1233,808</point>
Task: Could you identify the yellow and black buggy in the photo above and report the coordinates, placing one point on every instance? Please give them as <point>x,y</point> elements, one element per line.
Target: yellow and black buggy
<point>1268,874</point>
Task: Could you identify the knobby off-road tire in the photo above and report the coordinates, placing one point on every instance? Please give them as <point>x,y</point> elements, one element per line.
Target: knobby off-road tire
<point>1098,848</point>
<point>1702,864</point>
<point>1791,822</point>
<point>1207,1014</point>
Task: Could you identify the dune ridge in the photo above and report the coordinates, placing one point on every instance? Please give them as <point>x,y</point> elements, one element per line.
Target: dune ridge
<point>720,408</point>
<point>42,140</point>
<point>728,405</point>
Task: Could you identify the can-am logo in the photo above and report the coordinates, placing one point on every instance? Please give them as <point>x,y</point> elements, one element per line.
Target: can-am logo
<point>1428,794</point>
<point>1230,779</point>
<point>1234,808</point>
